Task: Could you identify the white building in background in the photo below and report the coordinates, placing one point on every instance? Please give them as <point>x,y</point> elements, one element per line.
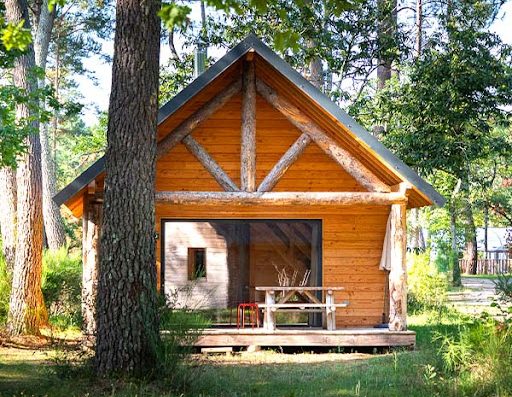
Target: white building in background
<point>497,247</point>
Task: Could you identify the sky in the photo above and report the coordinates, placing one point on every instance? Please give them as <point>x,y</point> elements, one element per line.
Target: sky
<point>96,96</point>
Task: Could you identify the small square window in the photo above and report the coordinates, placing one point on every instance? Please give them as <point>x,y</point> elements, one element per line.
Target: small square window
<point>196,263</point>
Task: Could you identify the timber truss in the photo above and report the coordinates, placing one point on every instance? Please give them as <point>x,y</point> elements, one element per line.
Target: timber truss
<point>249,193</point>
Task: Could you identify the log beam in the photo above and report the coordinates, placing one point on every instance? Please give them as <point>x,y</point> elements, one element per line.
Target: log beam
<point>291,155</point>
<point>345,159</point>
<point>91,223</point>
<point>203,113</point>
<point>210,164</point>
<point>281,198</point>
<point>248,138</point>
<point>398,272</point>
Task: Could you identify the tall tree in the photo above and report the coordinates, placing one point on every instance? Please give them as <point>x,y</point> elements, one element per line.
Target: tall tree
<point>53,223</point>
<point>440,117</point>
<point>26,308</point>
<point>128,329</point>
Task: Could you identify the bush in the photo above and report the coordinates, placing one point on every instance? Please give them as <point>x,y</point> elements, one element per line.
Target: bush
<point>5,290</point>
<point>481,352</point>
<point>427,287</point>
<point>62,285</point>
<point>180,328</point>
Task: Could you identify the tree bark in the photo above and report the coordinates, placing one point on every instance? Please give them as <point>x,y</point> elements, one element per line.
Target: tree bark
<point>456,280</point>
<point>8,215</point>
<point>419,28</point>
<point>53,223</point>
<point>470,232</point>
<point>386,31</point>
<point>26,308</point>
<point>128,329</point>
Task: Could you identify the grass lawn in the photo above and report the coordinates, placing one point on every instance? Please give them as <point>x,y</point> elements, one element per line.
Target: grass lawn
<point>50,372</point>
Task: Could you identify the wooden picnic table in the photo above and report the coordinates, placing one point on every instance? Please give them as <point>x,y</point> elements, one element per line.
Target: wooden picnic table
<point>275,302</point>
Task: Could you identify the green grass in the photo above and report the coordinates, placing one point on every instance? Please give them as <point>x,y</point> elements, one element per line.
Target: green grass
<point>400,373</point>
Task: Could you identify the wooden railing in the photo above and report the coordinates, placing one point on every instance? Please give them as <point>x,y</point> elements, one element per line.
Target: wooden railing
<point>487,266</point>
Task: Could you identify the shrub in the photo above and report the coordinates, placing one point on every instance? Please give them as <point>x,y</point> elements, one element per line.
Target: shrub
<point>62,284</point>
<point>180,328</point>
<point>5,290</point>
<point>427,287</point>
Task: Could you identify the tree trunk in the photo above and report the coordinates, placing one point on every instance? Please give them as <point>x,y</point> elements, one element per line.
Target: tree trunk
<point>419,28</point>
<point>8,215</point>
<point>486,229</point>
<point>53,224</point>
<point>471,241</point>
<point>128,328</point>
<point>454,254</point>
<point>386,31</point>
<point>26,310</point>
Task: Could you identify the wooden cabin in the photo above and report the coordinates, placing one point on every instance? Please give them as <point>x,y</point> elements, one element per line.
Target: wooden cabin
<point>261,181</point>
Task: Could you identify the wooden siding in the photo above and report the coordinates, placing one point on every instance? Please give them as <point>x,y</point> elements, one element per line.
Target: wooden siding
<point>351,249</point>
<point>220,136</point>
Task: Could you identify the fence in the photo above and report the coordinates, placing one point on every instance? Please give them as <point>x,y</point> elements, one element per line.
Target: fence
<point>487,266</point>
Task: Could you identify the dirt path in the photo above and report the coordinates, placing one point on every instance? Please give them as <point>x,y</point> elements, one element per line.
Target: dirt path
<point>476,296</point>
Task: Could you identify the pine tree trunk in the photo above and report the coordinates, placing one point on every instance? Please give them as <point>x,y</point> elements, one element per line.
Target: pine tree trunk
<point>26,309</point>
<point>419,28</point>
<point>454,254</point>
<point>8,216</point>
<point>53,223</point>
<point>128,335</point>
<point>387,31</point>
<point>471,242</point>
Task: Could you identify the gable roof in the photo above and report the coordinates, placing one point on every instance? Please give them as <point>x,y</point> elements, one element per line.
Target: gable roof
<point>251,42</point>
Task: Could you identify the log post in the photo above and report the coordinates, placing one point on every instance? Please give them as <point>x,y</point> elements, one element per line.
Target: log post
<point>91,221</point>
<point>248,138</point>
<point>398,272</point>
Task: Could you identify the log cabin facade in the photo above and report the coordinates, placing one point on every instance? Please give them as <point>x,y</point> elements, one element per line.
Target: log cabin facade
<point>258,171</point>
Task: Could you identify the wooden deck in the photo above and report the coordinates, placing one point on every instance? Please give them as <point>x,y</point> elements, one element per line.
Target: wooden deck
<point>353,337</point>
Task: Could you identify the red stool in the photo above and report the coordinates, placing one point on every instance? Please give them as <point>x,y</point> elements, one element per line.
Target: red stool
<point>254,315</point>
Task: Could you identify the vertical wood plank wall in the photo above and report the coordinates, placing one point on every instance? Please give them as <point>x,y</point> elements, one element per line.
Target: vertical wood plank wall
<point>352,236</point>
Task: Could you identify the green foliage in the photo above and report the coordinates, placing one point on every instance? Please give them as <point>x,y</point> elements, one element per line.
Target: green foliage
<point>174,15</point>
<point>5,290</point>
<point>427,287</point>
<point>16,36</point>
<point>180,329</point>
<point>62,284</point>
